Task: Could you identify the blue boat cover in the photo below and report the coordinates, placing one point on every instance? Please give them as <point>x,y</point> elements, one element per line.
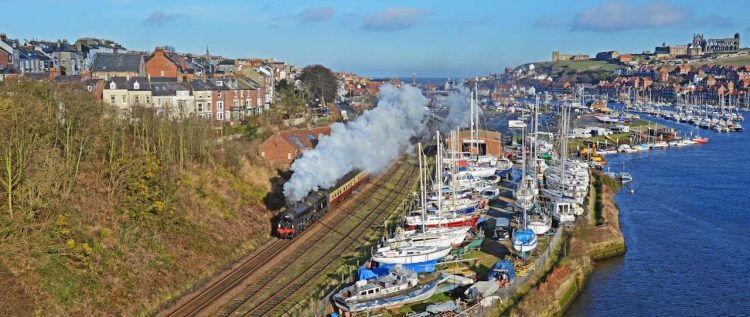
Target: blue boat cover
<point>481,220</point>
<point>422,267</point>
<point>366,274</point>
<point>502,266</point>
<point>524,236</point>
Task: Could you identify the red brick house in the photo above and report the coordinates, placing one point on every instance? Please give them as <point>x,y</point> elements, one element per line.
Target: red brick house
<point>165,64</point>
<point>6,59</point>
<point>283,147</point>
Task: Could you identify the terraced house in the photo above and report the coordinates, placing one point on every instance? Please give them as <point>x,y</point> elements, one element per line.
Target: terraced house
<point>203,94</point>
<point>172,98</point>
<point>124,93</point>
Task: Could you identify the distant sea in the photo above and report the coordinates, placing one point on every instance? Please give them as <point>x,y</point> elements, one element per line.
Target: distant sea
<point>428,80</point>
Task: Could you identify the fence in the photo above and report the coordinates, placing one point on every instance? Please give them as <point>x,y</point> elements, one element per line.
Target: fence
<point>505,293</point>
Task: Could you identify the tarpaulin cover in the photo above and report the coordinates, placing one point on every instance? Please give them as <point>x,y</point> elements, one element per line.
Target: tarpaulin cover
<point>505,266</point>
<point>366,274</point>
<point>502,222</point>
<point>421,267</point>
<point>524,236</point>
<point>441,307</point>
<point>481,220</point>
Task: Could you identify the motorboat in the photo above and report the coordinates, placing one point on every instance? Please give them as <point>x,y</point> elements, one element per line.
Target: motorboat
<point>400,286</point>
<point>562,212</point>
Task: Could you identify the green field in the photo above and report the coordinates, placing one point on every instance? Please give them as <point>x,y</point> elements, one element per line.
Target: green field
<point>578,66</point>
<point>737,61</point>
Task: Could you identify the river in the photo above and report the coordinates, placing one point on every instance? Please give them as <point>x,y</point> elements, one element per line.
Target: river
<point>687,229</point>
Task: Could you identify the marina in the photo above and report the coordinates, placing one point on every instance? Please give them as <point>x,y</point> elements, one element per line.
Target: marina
<point>519,214</point>
<point>676,191</point>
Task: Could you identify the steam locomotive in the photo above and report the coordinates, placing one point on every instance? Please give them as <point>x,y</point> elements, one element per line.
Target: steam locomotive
<point>304,213</point>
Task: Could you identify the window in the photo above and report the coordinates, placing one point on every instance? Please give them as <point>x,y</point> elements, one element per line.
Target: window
<point>112,99</point>
<point>148,99</point>
<point>289,156</point>
<point>137,99</point>
<point>136,86</point>
<point>161,73</point>
<point>219,116</point>
<point>112,85</point>
<point>220,105</point>
<point>200,107</point>
<point>124,98</point>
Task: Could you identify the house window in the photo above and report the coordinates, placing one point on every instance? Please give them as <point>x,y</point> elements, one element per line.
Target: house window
<point>220,105</point>
<point>161,73</point>
<point>137,99</point>
<point>112,85</point>
<point>112,99</point>
<point>124,98</point>
<point>288,156</point>
<point>136,86</point>
<point>200,107</point>
<point>148,99</point>
<point>219,116</point>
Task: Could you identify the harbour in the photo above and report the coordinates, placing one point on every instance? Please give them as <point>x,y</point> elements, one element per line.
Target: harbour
<point>682,241</point>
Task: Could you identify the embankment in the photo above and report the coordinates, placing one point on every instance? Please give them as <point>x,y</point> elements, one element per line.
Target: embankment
<point>591,238</point>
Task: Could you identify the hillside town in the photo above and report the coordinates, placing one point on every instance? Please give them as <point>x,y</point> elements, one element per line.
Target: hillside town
<point>704,71</point>
<point>183,84</point>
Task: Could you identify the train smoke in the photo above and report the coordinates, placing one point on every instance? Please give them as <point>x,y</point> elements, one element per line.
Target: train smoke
<point>368,143</point>
<point>459,113</point>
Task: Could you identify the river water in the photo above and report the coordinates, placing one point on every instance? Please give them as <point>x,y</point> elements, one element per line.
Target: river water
<point>687,229</point>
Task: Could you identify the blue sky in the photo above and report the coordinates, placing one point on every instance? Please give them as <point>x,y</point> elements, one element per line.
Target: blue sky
<point>382,38</point>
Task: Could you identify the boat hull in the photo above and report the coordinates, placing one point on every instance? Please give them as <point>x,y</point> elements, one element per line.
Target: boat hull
<point>417,295</point>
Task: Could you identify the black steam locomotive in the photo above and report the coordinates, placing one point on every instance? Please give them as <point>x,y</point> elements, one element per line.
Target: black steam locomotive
<point>304,213</point>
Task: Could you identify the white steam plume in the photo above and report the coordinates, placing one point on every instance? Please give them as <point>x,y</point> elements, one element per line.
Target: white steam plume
<point>459,113</point>
<point>368,143</point>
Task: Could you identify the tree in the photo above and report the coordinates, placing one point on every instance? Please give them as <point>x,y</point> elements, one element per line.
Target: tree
<point>320,81</point>
<point>250,131</point>
<point>282,84</point>
<point>291,102</point>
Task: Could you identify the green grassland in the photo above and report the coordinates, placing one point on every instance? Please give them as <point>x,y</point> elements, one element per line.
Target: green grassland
<point>737,61</point>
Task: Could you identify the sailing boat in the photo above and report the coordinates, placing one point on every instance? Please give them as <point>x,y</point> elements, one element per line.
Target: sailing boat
<point>406,253</point>
<point>538,221</point>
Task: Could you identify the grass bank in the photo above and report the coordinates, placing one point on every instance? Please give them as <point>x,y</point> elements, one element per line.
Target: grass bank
<point>591,238</point>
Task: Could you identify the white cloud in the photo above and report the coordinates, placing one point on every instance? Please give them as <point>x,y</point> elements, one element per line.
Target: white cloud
<point>612,16</point>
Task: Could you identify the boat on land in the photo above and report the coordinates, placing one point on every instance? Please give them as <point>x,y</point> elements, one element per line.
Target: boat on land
<point>409,254</point>
<point>400,286</point>
<point>565,211</point>
<point>440,237</point>
<point>524,241</point>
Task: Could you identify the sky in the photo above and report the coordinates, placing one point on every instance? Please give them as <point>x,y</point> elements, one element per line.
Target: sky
<point>385,38</point>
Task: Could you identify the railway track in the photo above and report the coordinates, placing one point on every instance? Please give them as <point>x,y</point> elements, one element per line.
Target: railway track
<point>264,306</point>
<point>237,277</point>
<point>217,288</point>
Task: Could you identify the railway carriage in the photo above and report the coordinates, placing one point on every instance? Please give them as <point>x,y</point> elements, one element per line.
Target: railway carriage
<point>301,215</point>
